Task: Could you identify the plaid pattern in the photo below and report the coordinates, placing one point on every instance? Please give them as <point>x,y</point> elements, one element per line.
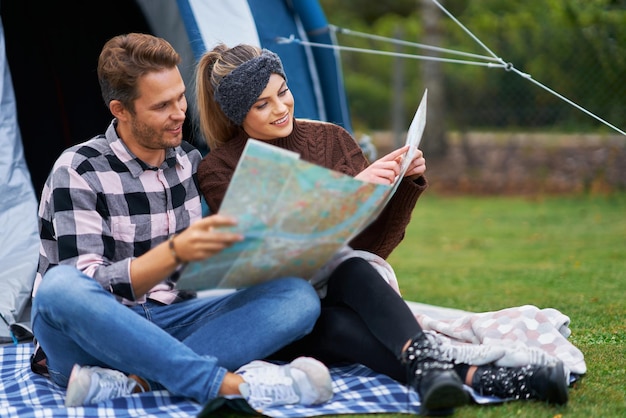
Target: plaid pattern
<point>24,394</point>
<point>102,206</point>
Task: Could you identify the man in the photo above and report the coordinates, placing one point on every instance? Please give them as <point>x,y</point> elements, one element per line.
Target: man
<point>119,216</point>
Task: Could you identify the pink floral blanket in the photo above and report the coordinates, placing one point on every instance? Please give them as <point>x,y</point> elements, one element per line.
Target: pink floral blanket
<point>526,334</point>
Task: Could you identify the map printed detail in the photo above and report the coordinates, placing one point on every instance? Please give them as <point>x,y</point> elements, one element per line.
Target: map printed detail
<point>294,216</point>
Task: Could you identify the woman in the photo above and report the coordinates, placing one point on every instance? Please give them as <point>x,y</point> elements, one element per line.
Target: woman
<point>242,93</point>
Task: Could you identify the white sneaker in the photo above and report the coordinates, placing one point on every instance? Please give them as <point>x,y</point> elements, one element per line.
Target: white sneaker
<point>304,381</point>
<point>92,384</point>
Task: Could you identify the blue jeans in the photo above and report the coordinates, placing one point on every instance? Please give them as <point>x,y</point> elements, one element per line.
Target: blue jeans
<point>186,347</point>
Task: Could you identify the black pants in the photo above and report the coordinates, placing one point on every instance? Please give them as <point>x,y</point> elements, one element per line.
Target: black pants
<point>363,320</point>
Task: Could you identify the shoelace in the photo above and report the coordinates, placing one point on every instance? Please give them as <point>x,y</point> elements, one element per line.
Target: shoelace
<point>526,355</point>
<point>112,385</point>
<point>505,382</point>
<point>471,354</point>
<point>272,387</point>
<point>429,355</point>
<point>476,354</point>
<point>513,355</point>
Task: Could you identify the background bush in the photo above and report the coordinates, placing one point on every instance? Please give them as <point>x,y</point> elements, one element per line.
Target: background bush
<point>575,47</point>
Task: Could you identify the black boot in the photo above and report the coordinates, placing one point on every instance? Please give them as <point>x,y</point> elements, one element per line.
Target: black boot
<point>433,377</point>
<point>544,383</point>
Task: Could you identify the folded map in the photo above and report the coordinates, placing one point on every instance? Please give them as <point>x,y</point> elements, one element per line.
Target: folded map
<point>294,215</point>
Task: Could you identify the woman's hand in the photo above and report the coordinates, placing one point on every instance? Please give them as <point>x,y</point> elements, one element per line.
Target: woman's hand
<point>386,169</point>
<point>417,166</point>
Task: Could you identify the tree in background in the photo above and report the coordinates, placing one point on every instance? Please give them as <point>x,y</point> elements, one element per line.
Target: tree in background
<point>574,47</point>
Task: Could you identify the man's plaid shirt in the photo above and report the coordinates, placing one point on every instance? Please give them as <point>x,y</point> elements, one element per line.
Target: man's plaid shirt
<point>101,206</point>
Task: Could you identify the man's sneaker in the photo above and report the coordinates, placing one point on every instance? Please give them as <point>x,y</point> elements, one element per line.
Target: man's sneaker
<point>92,384</point>
<point>304,381</point>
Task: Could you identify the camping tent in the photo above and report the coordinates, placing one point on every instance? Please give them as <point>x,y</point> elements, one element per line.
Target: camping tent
<point>50,97</point>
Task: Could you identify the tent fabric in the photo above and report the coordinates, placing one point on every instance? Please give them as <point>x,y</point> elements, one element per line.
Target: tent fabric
<point>259,23</point>
<point>53,57</point>
<point>19,240</point>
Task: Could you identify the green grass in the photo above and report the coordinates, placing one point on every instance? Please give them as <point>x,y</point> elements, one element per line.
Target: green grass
<point>569,253</point>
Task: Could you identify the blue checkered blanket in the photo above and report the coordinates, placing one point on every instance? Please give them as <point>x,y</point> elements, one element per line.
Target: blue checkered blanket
<point>357,389</point>
<point>24,394</point>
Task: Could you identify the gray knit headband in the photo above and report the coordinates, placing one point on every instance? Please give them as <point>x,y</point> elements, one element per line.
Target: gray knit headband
<point>240,89</point>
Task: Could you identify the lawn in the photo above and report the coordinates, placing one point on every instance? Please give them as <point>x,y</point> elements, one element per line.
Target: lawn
<point>568,253</point>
